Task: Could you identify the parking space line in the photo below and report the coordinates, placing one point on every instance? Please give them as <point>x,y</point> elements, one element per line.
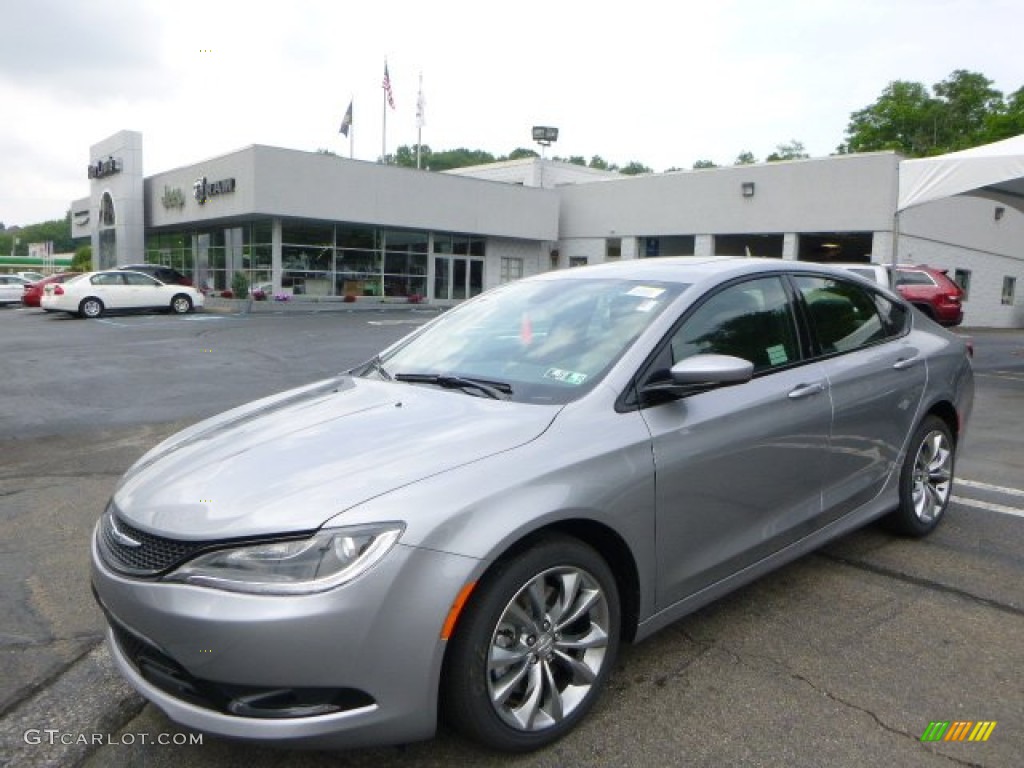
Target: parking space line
<point>1001,509</point>
<point>989,487</point>
<point>1006,375</point>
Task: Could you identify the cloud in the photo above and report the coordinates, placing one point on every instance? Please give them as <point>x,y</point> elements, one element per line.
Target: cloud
<point>94,50</point>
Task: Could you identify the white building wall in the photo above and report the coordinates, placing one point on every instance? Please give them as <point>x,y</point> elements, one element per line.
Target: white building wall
<point>983,308</point>
<point>590,248</point>
<point>533,255</point>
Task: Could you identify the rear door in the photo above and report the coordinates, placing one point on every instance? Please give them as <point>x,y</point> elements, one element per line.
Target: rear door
<point>739,469</point>
<point>876,377</point>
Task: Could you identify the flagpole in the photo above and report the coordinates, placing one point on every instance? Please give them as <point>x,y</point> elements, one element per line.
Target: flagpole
<point>384,119</point>
<point>419,123</point>
<point>352,129</point>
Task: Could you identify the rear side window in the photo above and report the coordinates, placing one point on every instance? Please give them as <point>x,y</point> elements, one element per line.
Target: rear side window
<point>845,316</point>
<point>107,278</point>
<point>913,277</point>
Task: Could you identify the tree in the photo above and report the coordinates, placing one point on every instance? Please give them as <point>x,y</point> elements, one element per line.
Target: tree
<point>746,157</point>
<point>794,150</point>
<point>633,168</point>
<point>599,162</point>
<point>704,164</point>
<point>968,99</point>
<point>520,153</point>
<point>964,111</point>
<point>1008,120</point>
<point>903,118</point>
<point>82,260</point>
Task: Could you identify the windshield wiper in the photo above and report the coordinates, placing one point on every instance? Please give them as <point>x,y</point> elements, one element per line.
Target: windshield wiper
<point>497,390</point>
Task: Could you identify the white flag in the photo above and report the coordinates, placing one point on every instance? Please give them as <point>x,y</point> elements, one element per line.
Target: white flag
<point>421,104</point>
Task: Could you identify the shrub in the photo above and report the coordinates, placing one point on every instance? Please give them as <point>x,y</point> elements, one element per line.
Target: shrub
<point>240,285</point>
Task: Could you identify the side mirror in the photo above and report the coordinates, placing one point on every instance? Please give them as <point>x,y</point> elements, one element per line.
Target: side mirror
<point>699,374</point>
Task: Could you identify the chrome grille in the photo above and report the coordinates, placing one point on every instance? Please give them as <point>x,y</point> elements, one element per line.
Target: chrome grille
<point>152,556</point>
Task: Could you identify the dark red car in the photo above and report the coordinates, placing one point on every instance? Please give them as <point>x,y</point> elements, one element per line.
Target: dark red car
<point>33,291</point>
<point>931,291</point>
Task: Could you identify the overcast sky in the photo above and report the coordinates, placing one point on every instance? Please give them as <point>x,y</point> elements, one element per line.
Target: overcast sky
<point>663,83</point>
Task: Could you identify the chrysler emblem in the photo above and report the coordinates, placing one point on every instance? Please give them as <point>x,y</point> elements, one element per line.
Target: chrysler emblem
<point>121,537</point>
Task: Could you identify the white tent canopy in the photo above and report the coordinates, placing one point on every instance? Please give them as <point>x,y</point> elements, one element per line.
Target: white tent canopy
<point>994,171</point>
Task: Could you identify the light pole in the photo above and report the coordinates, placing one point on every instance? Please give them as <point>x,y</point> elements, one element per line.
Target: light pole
<point>545,135</point>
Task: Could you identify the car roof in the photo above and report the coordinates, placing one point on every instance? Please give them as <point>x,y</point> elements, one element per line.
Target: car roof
<point>688,269</point>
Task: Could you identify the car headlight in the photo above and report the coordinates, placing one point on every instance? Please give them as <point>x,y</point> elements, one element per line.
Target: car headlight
<point>326,560</point>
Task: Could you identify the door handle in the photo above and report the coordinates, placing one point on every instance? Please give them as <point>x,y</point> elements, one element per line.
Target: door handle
<point>806,390</point>
<point>908,362</point>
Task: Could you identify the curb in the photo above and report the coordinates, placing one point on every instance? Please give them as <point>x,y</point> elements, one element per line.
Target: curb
<point>222,307</point>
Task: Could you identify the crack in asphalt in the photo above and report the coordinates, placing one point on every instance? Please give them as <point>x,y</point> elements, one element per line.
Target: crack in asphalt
<point>41,642</point>
<point>42,684</point>
<point>919,581</point>
<point>757,662</point>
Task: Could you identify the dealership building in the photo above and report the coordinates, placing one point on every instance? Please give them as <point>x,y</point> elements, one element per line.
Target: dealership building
<point>322,226</point>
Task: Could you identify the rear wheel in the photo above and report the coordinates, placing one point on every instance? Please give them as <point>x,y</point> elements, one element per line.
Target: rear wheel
<point>926,479</point>
<point>181,304</point>
<point>91,307</point>
<point>534,647</point>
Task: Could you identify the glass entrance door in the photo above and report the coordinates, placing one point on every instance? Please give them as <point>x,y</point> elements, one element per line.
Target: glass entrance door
<point>457,278</point>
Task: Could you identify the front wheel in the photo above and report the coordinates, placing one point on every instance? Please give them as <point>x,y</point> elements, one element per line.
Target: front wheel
<point>926,479</point>
<point>181,304</point>
<point>534,647</point>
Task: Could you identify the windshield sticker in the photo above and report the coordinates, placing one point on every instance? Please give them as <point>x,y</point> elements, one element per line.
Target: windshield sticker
<point>645,292</point>
<point>777,355</point>
<point>566,377</point>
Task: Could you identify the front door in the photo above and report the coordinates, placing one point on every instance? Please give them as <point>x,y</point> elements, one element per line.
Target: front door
<point>739,469</point>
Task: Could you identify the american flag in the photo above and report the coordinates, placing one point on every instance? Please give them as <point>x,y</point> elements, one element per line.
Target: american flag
<point>386,85</point>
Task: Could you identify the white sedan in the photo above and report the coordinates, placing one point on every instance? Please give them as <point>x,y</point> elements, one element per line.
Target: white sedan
<point>92,294</point>
<point>11,288</point>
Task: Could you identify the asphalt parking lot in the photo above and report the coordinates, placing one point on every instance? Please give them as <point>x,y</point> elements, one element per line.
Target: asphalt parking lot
<point>842,658</point>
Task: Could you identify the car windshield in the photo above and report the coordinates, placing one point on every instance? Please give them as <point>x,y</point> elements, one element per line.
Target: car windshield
<point>546,341</point>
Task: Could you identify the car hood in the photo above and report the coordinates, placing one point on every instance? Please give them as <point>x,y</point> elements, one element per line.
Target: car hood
<point>290,462</point>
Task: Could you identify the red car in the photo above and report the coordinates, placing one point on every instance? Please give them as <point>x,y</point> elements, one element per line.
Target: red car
<point>931,291</point>
<point>33,291</point>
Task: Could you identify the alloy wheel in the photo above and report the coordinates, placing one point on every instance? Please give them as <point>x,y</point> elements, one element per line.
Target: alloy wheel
<point>548,648</point>
<point>933,476</point>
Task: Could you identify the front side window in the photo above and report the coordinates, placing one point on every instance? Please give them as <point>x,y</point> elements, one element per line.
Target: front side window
<point>752,320</point>
<point>843,316</point>
<point>139,279</point>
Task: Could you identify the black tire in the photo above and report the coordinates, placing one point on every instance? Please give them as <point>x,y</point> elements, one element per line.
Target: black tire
<point>90,307</point>
<point>181,304</point>
<point>926,479</point>
<point>501,623</point>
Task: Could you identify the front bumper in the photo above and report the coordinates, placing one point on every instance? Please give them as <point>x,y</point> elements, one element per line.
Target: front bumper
<point>371,647</point>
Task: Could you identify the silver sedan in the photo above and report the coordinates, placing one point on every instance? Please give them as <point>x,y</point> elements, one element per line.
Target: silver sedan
<point>470,524</point>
